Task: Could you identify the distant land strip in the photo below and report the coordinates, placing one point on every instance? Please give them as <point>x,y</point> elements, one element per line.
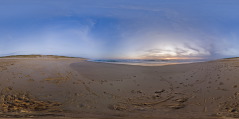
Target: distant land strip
<point>38,56</point>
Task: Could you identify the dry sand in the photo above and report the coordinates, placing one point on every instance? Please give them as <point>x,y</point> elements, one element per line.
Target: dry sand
<point>75,88</point>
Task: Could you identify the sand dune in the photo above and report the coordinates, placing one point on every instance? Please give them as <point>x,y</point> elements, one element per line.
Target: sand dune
<point>74,88</point>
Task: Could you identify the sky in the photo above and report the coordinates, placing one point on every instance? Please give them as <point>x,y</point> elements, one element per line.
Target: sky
<point>123,29</point>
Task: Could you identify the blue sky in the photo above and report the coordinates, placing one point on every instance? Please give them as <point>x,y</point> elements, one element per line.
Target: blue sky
<point>120,28</point>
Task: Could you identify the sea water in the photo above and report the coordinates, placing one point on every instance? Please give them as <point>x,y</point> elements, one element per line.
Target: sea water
<point>148,62</point>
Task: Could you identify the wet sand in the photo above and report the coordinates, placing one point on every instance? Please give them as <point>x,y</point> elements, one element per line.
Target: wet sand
<point>75,88</point>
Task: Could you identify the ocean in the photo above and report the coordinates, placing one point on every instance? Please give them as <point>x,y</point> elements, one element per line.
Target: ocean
<point>148,62</point>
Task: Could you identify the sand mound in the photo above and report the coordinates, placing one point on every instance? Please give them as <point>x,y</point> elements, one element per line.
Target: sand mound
<point>17,102</point>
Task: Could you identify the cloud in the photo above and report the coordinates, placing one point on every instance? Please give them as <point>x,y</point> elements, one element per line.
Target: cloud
<point>55,39</point>
<point>175,52</point>
<point>159,44</point>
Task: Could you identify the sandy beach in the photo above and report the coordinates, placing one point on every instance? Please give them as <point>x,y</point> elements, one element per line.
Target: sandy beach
<point>48,87</point>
